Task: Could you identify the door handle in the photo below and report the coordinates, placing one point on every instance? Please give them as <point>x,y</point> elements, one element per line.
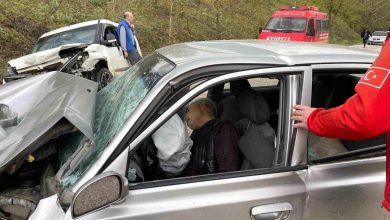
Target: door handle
<point>277,211</point>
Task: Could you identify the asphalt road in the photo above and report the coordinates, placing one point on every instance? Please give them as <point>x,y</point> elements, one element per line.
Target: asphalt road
<point>370,48</point>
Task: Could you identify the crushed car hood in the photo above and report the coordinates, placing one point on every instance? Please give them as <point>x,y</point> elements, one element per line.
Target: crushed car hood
<point>39,103</point>
<point>41,57</point>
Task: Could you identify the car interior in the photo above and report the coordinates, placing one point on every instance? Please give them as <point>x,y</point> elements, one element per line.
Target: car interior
<point>109,34</point>
<point>251,105</point>
<point>329,91</point>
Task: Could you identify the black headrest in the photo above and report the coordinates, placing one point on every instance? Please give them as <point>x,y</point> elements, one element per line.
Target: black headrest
<point>216,90</point>
<point>237,86</point>
<point>229,109</point>
<point>215,93</point>
<point>253,106</point>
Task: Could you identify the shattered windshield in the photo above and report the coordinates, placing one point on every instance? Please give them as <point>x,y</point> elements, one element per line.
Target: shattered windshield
<point>284,24</point>
<point>114,105</point>
<point>83,35</point>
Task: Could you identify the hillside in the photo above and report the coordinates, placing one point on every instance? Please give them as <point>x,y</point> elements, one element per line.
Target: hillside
<point>164,22</point>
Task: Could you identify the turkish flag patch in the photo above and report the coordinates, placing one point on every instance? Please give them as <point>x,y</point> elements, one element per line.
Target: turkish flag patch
<point>375,77</point>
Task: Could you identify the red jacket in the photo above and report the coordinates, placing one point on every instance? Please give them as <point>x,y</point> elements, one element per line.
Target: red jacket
<point>364,115</point>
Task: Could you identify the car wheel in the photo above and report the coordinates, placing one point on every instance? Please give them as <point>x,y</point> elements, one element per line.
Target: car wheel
<point>103,77</point>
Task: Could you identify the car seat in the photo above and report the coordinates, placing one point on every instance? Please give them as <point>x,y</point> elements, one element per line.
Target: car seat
<point>228,106</point>
<point>257,140</point>
<point>216,93</point>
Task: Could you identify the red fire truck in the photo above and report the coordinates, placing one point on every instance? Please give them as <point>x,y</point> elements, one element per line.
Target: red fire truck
<point>297,23</point>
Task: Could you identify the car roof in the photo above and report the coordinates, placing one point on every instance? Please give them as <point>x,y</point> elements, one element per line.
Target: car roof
<point>263,52</point>
<point>78,25</point>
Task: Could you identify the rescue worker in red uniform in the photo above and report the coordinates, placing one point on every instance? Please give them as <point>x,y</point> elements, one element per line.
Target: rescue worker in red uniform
<point>365,115</point>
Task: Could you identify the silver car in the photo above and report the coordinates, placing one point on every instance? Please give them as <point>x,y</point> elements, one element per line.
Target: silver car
<point>68,151</point>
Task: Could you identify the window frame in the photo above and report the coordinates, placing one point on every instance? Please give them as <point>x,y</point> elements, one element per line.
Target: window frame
<point>103,31</point>
<point>285,133</point>
<point>365,153</point>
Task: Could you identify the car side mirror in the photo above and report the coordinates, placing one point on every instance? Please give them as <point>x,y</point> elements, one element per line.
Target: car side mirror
<point>100,192</point>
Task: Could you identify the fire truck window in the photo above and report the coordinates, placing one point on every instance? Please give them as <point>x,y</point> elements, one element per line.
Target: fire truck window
<point>310,29</point>
<point>324,25</point>
<point>287,24</point>
<point>319,26</point>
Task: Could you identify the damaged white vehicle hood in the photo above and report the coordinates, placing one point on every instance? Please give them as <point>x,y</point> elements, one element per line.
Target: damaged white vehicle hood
<point>39,103</point>
<point>41,59</point>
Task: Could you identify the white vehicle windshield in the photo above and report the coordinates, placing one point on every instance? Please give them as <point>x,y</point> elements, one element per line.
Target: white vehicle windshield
<point>285,24</point>
<point>114,105</point>
<point>83,35</point>
<point>379,33</point>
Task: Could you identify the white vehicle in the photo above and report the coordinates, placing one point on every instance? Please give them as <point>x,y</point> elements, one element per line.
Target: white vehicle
<point>378,37</point>
<point>87,49</point>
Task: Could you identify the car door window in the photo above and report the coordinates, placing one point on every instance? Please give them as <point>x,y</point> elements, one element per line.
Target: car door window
<point>109,34</point>
<point>329,91</point>
<point>266,90</point>
<point>166,153</point>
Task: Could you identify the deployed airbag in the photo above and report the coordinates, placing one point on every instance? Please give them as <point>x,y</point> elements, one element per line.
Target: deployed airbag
<point>173,145</point>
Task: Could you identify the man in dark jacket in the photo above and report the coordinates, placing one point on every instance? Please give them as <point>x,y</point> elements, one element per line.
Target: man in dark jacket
<point>125,33</point>
<point>365,35</point>
<point>215,143</point>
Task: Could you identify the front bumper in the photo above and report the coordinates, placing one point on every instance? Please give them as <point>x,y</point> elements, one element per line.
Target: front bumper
<point>376,42</point>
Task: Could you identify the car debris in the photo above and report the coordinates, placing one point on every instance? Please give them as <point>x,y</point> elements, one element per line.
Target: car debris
<point>87,49</point>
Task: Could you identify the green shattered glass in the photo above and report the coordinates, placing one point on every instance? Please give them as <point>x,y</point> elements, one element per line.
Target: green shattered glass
<point>114,105</point>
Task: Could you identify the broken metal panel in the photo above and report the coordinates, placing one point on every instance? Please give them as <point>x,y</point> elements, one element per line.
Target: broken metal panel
<point>95,54</point>
<point>43,101</point>
<point>41,59</point>
<point>40,103</point>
